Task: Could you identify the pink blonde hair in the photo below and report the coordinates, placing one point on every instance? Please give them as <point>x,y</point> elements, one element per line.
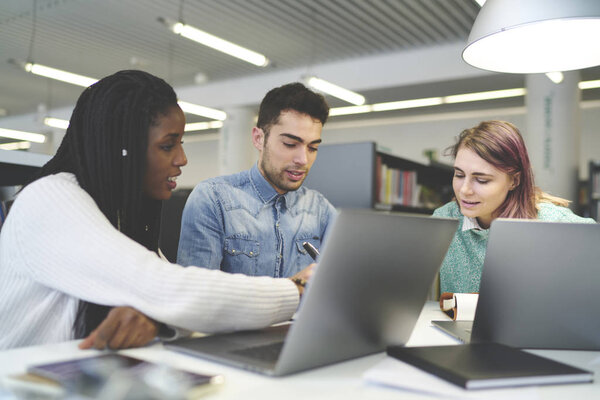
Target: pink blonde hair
<point>500,143</point>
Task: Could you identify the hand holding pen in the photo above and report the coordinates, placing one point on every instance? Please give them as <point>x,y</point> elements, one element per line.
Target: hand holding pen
<point>300,279</point>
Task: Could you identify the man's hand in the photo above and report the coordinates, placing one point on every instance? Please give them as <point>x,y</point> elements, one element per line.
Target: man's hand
<point>302,278</point>
<point>122,328</point>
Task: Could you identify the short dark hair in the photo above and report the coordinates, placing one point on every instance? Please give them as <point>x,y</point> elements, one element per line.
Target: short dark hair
<point>293,96</point>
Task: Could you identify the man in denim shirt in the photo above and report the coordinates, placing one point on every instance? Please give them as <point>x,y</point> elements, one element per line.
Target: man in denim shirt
<point>254,222</point>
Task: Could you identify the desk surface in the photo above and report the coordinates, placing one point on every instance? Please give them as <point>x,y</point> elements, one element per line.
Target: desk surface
<point>339,381</point>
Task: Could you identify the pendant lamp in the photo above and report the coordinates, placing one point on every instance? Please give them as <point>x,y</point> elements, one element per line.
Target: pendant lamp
<point>535,36</point>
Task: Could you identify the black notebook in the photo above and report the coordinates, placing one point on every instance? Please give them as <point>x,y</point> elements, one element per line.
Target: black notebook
<point>488,365</point>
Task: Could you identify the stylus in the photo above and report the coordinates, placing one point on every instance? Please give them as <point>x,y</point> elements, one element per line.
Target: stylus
<point>311,250</point>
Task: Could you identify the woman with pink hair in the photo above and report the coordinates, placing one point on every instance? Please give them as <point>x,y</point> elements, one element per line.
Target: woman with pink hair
<point>492,179</point>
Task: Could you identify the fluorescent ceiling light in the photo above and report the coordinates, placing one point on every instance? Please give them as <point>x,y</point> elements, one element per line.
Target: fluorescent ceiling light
<point>59,75</point>
<point>336,91</point>
<point>216,43</point>
<point>432,101</point>
<point>589,84</point>
<point>207,112</point>
<point>403,104</point>
<point>85,81</point>
<point>20,135</point>
<point>189,108</point>
<point>349,110</point>
<point>426,102</point>
<point>541,37</point>
<point>195,126</point>
<point>56,122</point>
<point>490,95</point>
<point>15,146</point>
<point>202,126</point>
<point>556,77</point>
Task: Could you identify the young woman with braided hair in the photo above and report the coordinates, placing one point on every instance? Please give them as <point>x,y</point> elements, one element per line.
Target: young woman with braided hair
<point>79,249</point>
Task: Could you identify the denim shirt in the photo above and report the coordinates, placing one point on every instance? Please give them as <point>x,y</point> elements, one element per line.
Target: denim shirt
<point>240,224</point>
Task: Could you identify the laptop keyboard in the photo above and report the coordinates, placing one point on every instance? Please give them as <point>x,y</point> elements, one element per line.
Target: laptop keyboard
<point>268,352</point>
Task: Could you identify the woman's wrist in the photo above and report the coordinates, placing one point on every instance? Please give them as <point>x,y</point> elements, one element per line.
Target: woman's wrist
<point>300,284</point>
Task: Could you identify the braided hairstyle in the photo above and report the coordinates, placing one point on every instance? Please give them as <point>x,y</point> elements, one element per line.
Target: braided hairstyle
<point>105,147</point>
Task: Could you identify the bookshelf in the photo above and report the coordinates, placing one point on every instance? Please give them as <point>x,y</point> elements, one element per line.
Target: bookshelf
<point>357,175</point>
<point>593,192</point>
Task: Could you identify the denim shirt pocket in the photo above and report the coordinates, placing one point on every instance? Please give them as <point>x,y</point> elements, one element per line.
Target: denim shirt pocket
<point>303,259</point>
<point>240,255</point>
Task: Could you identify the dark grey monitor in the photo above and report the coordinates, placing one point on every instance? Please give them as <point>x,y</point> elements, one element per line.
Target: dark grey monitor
<point>372,280</point>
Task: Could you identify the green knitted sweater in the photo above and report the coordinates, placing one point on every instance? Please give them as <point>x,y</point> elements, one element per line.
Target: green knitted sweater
<point>461,268</point>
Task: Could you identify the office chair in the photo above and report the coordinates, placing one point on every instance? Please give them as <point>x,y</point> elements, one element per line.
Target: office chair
<point>170,223</point>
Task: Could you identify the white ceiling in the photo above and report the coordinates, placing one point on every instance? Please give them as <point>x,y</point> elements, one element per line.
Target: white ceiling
<point>98,37</point>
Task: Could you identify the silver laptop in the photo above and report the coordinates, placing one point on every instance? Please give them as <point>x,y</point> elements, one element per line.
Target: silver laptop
<point>372,280</point>
<point>461,330</point>
<point>538,287</point>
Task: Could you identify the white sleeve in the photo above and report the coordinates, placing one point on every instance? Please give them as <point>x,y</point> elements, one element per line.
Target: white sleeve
<point>67,244</point>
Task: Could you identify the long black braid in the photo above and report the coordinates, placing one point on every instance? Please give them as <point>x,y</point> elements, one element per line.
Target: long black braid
<point>105,147</point>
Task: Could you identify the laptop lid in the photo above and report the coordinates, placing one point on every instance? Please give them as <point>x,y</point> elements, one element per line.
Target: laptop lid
<point>539,285</point>
<point>367,292</point>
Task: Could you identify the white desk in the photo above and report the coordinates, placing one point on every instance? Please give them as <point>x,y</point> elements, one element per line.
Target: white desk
<point>339,381</point>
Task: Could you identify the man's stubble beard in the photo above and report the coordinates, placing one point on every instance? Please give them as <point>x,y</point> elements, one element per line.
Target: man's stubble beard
<point>277,178</point>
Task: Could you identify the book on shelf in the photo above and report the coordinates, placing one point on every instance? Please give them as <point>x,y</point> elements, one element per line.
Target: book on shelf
<point>395,186</point>
<point>378,172</point>
<point>459,306</point>
<point>488,365</point>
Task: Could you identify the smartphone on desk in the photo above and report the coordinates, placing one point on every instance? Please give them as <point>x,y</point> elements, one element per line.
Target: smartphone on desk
<point>102,376</point>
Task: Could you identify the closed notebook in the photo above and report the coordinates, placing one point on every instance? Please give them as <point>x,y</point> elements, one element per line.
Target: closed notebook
<point>488,365</point>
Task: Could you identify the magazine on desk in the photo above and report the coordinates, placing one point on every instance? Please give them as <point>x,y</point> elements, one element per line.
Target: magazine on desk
<point>104,376</point>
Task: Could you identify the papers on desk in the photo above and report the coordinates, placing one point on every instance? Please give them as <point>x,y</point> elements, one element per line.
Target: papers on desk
<point>397,374</point>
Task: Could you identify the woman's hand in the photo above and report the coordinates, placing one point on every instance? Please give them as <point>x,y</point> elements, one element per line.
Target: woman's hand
<point>302,278</point>
<point>122,328</point>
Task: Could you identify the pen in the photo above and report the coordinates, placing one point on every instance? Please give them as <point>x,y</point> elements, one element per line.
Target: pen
<point>311,250</point>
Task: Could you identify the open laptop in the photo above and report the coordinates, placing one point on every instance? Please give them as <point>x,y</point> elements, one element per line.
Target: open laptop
<point>372,280</point>
<point>538,287</point>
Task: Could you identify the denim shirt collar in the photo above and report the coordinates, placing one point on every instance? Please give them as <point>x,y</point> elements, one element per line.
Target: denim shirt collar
<point>265,191</point>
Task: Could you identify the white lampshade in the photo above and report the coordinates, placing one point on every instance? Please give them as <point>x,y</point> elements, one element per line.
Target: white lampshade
<point>534,36</point>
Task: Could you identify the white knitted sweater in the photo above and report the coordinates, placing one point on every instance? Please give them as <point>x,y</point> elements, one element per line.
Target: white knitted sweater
<point>57,247</point>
